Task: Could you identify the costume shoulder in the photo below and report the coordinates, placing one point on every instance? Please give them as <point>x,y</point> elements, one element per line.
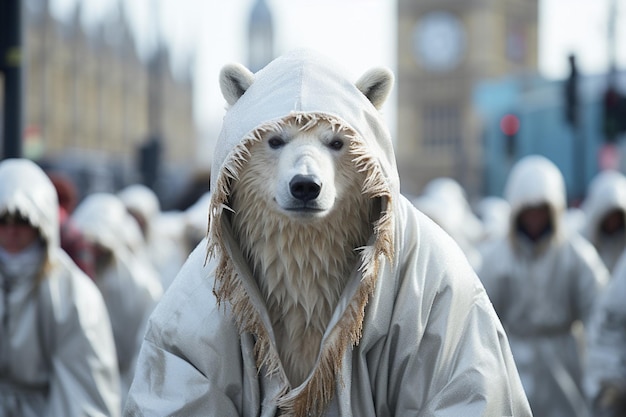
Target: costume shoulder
<point>183,351</point>
<point>188,317</point>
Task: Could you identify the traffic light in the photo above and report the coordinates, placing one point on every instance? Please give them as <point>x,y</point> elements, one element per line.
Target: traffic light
<point>509,126</point>
<point>613,114</point>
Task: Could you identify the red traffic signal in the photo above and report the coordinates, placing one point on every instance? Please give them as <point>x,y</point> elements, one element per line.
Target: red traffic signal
<point>509,124</point>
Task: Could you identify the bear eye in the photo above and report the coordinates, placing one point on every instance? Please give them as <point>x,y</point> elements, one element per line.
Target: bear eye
<point>336,144</point>
<point>276,142</point>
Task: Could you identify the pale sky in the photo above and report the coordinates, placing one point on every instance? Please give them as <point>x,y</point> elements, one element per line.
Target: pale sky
<point>358,33</point>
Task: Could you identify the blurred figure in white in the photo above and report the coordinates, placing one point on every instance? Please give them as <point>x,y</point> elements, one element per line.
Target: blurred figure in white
<point>57,355</point>
<point>605,381</point>
<point>605,210</point>
<point>494,213</point>
<point>196,221</point>
<point>450,191</point>
<point>130,288</point>
<point>542,282</point>
<point>171,225</point>
<point>164,252</point>
<point>574,220</point>
<point>444,201</point>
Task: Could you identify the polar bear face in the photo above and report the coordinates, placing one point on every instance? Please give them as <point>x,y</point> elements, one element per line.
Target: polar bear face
<point>300,171</point>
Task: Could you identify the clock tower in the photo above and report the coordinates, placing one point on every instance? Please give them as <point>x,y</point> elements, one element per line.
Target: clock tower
<point>444,48</point>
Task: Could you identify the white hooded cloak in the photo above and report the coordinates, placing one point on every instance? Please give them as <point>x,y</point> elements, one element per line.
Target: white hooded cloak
<point>413,333</point>
<point>129,285</point>
<point>57,355</point>
<point>607,192</point>
<point>541,289</point>
<point>162,252</point>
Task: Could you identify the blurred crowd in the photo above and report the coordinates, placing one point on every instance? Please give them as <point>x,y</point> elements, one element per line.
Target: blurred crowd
<point>79,280</point>
<point>93,270</point>
<point>556,276</point>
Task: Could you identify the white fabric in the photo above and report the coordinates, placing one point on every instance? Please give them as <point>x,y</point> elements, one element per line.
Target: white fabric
<point>607,335</point>
<point>450,215</point>
<point>463,223</point>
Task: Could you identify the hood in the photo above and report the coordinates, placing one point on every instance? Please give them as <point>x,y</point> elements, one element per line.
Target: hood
<point>195,217</point>
<point>303,83</point>
<point>25,188</point>
<point>102,218</point>
<point>446,215</point>
<point>535,180</point>
<point>453,198</point>
<point>306,87</point>
<point>142,201</point>
<point>606,192</point>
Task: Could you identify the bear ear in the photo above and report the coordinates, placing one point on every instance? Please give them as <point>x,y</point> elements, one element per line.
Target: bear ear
<point>376,84</point>
<point>235,79</point>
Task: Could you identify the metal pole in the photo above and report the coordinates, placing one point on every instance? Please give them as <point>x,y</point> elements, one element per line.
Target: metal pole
<point>574,118</point>
<point>11,35</point>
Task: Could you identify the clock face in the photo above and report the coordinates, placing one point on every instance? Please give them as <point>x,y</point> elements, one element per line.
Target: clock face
<point>439,41</point>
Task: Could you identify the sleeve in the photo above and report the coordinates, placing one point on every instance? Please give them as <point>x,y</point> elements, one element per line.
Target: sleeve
<point>606,336</point>
<point>168,385</point>
<point>138,294</point>
<point>448,353</point>
<point>470,369</point>
<point>84,380</point>
<point>493,278</point>
<point>180,368</point>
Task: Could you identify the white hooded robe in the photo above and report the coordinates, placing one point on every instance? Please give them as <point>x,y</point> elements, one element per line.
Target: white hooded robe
<point>606,192</point>
<point>129,285</point>
<point>540,290</point>
<point>57,355</point>
<point>413,333</point>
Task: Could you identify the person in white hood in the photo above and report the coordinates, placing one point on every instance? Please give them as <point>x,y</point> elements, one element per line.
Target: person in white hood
<point>57,355</point>
<point>605,377</point>
<point>164,253</point>
<point>605,215</point>
<point>467,227</point>
<point>130,288</point>
<point>412,332</point>
<point>542,281</point>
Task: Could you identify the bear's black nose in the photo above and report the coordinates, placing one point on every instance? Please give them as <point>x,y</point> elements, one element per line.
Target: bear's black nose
<point>305,187</point>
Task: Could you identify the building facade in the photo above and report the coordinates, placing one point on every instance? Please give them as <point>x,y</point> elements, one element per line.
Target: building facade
<point>445,47</point>
<point>87,95</point>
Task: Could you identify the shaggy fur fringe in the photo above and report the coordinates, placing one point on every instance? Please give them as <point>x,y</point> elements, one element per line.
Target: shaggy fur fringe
<point>313,397</point>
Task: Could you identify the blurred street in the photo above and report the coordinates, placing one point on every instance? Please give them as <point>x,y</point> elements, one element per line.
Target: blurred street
<point>507,120</point>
